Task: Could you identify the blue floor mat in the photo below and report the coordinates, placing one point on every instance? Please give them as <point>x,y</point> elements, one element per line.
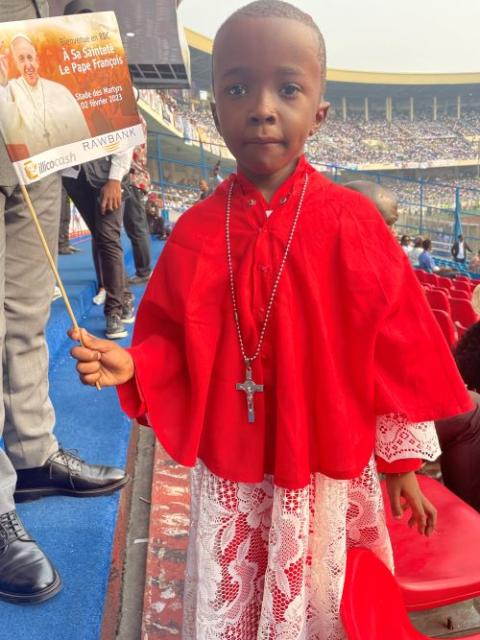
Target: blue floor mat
<point>76,534</point>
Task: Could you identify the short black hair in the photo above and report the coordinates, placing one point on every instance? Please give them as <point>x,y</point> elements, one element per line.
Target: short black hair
<point>427,244</point>
<point>467,357</point>
<point>279,9</point>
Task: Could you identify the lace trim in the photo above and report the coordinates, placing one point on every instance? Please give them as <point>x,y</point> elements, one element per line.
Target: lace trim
<point>398,439</point>
<point>268,563</point>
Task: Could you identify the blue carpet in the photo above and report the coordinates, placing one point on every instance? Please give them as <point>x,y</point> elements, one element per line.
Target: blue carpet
<point>76,534</point>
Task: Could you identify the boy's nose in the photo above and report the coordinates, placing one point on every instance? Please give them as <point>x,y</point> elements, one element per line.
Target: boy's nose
<point>262,117</point>
<point>262,112</point>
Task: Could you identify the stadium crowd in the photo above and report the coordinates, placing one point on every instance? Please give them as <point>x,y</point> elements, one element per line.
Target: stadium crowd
<point>353,141</point>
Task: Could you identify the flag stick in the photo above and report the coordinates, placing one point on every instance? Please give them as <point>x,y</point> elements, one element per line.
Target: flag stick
<point>51,261</point>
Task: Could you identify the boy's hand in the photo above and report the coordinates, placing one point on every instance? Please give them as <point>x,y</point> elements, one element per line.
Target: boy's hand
<point>101,361</point>
<point>405,485</point>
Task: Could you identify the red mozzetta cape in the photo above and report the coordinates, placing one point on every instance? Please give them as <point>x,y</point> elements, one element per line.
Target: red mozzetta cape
<point>350,336</point>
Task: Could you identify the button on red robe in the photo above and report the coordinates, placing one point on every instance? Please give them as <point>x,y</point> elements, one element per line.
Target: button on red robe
<point>350,336</point>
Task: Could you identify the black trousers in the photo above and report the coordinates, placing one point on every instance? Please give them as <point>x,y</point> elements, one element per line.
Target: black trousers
<point>105,229</point>
<point>136,226</point>
<point>64,229</point>
<point>459,438</point>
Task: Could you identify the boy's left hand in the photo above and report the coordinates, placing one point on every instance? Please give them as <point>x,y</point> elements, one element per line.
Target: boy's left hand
<point>405,485</point>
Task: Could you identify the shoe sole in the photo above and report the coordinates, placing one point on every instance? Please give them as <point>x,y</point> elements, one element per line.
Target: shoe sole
<point>128,320</point>
<point>25,495</point>
<point>35,598</point>
<point>116,336</point>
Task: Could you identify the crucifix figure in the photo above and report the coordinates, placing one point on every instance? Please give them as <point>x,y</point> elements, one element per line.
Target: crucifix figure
<point>250,388</point>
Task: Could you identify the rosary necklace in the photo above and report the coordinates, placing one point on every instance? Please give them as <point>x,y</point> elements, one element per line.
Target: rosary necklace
<point>249,387</point>
<point>43,122</point>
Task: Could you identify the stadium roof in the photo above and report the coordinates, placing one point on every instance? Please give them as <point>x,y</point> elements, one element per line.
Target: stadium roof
<point>201,50</point>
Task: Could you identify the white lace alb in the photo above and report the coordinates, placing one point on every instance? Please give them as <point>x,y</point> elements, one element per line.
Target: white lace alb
<point>266,563</point>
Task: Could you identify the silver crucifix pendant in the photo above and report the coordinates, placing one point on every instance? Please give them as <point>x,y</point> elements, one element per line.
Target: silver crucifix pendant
<point>250,388</point>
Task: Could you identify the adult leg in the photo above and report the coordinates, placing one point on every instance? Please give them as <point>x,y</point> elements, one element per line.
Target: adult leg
<point>26,574</point>
<point>42,467</point>
<point>136,226</point>
<point>8,477</point>
<point>84,197</point>
<point>97,265</point>
<point>29,283</point>
<point>64,230</point>
<point>108,244</point>
<point>460,442</point>
<point>106,230</point>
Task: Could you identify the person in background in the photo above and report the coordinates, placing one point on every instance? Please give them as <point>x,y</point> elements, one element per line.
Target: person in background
<point>474,265</point>
<point>416,251</point>
<point>427,262</point>
<point>204,189</point>
<point>32,463</point>
<point>459,435</point>
<point>134,214</point>
<point>425,259</point>
<point>385,200</point>
<point>64,246</point>
<point>459,249</point>
<point>406,244</point>
<point>153,209</point>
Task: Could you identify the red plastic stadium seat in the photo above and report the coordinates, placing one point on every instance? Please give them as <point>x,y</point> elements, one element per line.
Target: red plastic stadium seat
<point>462,311</point>
<point>438,300</point>
<point>444,289</point>
<point>445,282</point>
<point>446,325</point>
<point>372,607</point>
<point>462,295</point>
<point>444,568</point>
<point>432,278</point>
<point>461,285</point>
<point>420,273</point>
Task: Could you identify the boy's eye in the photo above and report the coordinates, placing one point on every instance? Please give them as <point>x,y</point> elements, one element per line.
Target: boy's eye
<point>290,90</point>
<point>237,90</point>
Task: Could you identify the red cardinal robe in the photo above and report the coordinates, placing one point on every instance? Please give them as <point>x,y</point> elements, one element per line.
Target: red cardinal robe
<point>350,336</point>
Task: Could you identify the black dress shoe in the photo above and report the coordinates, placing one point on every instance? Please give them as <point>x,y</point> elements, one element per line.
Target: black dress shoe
<point>66,474</point>
<point>26,574</point>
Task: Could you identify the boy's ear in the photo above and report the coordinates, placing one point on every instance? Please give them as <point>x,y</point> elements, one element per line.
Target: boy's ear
<point>213,107</point>
<point>320,117</point>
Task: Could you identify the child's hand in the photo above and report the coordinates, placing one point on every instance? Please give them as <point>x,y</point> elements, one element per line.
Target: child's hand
<point>405,485</point>
<point>101,361</point>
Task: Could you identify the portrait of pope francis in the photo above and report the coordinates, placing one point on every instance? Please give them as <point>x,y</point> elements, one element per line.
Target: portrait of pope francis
<point>36,113</point>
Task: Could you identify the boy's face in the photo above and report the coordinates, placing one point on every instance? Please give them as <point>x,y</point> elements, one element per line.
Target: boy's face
<point>268,92</point>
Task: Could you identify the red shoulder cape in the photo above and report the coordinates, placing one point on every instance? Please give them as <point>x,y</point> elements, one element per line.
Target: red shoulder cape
<point>350,337</point>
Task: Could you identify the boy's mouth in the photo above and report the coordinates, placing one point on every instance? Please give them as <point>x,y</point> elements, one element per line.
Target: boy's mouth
<point>263,141</point>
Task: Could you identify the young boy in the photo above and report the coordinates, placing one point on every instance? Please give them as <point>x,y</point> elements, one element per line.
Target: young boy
<point>250,369</point>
